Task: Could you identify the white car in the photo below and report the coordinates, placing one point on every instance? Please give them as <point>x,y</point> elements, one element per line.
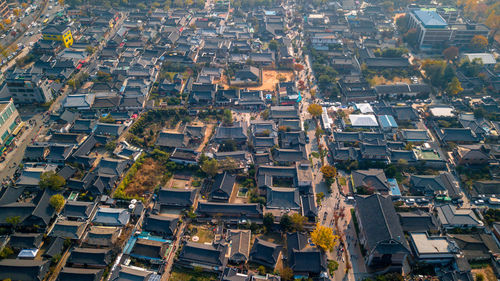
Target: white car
<point>479,202</point>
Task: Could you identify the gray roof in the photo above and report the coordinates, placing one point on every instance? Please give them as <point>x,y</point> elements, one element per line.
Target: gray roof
<point>236,131</point>
<point>380,223</point>
<point>414,135</point>
<point>374,178</point>
<point>265,253</point>
<point>171,139</point>
<point>176,197</point>
<point>23,270</point>
<point>240,244</point>
<point>212,255</point>
<point>450,216</point>
<point>111,216</point>
<point>283,198</point>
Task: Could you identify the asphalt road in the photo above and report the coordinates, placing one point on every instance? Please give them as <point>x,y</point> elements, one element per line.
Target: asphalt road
<point>23,38</point>
<point>13,158</point>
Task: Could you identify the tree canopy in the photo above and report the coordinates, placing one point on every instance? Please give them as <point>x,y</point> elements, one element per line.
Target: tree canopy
<point>324,238</point>
<point>57,201</point>
<point>479,43</point>
<point>454,87</point>
<point>329,172</point>
<point>210,167</point>
<point>52,180</point>
<point>315,109</point>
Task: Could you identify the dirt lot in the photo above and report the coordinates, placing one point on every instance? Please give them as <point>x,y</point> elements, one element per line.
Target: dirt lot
<point>379,80</point>
<point>204,234</point>
<point>208,132</point>
<point>487,273</point>
<point>149,175</point>
<point>178,183</point>
<point>270,78</point>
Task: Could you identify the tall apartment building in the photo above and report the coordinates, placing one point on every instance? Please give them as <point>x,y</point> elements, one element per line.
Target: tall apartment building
<point>434,31</point>
<point>27,88</point>
<point>9,120</point>
<point>4,9</point>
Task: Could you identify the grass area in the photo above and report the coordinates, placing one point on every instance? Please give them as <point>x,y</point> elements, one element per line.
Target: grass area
<point>342,181</point>
<point>205,235</point>
<point>143,177</point>
<point>242,192</point>
<point>273,237</point>
<point>380,80</point>
<point>487,272</point>
<point>184,274</point>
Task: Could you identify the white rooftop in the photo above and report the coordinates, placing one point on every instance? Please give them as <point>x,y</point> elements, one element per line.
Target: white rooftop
<point>443,111</point>
<point>364,107</point>
<point>486,58</point>
<point>28,253</point>
<point>425,244</point>
<point>363,120</point>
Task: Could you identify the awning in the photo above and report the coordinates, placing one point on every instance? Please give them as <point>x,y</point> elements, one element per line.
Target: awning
<point>18,128</point>
<point>9,140</point>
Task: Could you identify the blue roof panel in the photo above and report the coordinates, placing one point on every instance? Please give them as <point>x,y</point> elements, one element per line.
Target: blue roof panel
<point>387,121</point>
<point>430,19</point>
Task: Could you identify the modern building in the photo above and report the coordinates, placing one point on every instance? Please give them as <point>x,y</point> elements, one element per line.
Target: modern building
<point>9,120</point>
<point>433,249</point>
<point>60,32</point>
<point>434,31</point>
<point>26,88</point>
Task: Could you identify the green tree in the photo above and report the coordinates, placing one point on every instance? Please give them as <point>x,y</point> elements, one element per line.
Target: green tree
<point>479,277</point>
<point>454,87</point>
<point>57,201</point>
<point>107,119</point>
<point>286,274</point>
<point>262,270</point>
<point>332,266</point>
<point>411,37</point>
<point>479,43</point>
<point>110,146</point>
<point>285,223</point>
<point>13,220</point>
<point>227,117</point>
<point>315,110</point>
<point>324,238</point>
<point>52,180</point>
<point>6,252</point>
<point>268,221</point>
<point>210,167</point>
<point>273,45</point>
<point>450,53</point>
<point>298,221</point>
<point>329,172</point>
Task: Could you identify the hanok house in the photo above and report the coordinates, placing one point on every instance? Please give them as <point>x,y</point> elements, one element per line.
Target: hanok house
<point>89,258</point>
<point>239,249</point>
<point>304,260</point>
<point>265,253</point>
<point>372,179</point>
<point>171,198</point>
<point>23,270</point>
<point>380,232</point>
<point>102,236</point>
<point>209,257</point>
<point>161,225</point>
<point>151,250</point>
<point>471,155</point>
<point>222,187</point>
<point>237,213</point>
<point>71,274</point>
